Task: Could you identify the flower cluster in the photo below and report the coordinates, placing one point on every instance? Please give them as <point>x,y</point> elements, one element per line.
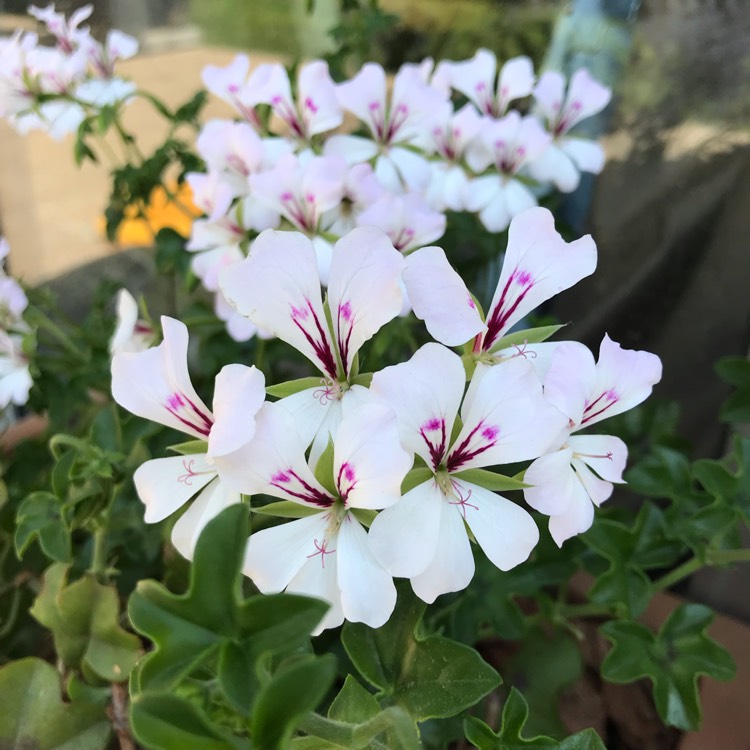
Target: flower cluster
<point>417,154</point>
<point>413,451</point>
<point>56,88</point>
<point>15,379</point>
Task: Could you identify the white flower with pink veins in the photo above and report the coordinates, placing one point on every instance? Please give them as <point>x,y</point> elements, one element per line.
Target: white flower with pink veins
<point>232,84</point>
<point>395,124</point>
<point>449,140</point>
<point>15,378</point>
<point>505,419</point>
<point>302,190</point>
<point>538,264</point>
<point>316,108</point>
<point>475,79</point>
<point>569,482</point>
<point>155,384</point>
<point>325,553</point>
<point>509,146</point>
<point>277,288</point>
<point>567,156</point>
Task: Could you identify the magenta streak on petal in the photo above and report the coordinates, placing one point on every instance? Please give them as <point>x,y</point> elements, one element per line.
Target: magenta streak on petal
<point>288,114</point>
<point>345,321</point>
<point>462,502</point>
<point>306,492</point>
<point>399,116</point>
<point>611,398</point>
<point>484,99</point>
<point>377,120</point>
<point>319,343</point>
<point>346,474</point>
<point>183,409</point>
<point>566,117</point>
<point>437,449</point>
<point>402,239</point>
<point>302,213</point>
<point>500,316</point>
<point>461,454</point>
<point>322,550</point>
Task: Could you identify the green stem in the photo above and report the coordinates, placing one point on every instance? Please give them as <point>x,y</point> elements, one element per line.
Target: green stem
<point>35,317</point>
<point>99,555</point>
<point>260,352</point>
<point>590,609</point>
<point>713,557</point>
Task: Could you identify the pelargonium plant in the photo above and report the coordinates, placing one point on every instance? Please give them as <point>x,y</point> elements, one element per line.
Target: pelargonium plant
<point>395,475</point>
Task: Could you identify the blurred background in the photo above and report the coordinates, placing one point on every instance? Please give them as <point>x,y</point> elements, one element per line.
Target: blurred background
<point>670,213</point>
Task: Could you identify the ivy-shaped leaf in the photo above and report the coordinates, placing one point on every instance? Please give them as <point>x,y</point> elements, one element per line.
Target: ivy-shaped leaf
<point>191,628</point>
<point>431,677</point>
<point>84,618</point>
<point>163,721</point>
<point>672,659</point>
<point>630,551</point>
<point>40,516</point>
<point>515,715</point>
<point>34,716</point>
<point>295,689</point>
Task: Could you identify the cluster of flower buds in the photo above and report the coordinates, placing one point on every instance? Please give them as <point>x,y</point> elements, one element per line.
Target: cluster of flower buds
<point>412,452</point>
<point>415,156</point>
<point>15,379</point>
<point>56,88</point>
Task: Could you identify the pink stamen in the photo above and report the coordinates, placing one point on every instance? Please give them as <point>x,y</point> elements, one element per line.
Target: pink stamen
<point>322,550</point>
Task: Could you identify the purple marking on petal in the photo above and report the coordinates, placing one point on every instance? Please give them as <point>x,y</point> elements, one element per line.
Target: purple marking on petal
<point>471,303</point>
<point>299,488</point>
<point>299,313</point>
<point>286,196</point>
<point>609,396</point>
<point>310,104</point>
<point>345,311</point>
<point>479,440</point>
<point>184,410</point>
<point>435,447</point>
<point>523,278</point>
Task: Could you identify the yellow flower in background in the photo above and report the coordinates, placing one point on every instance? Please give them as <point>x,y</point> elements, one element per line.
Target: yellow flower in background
<point>172,208</point>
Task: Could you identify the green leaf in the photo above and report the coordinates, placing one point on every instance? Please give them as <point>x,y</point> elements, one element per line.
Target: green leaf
<point>630,551</point>
<point>527,336</point>
<point>354,704</point>
<point>324,469</point>
<point>282,390</point>
<point>432,677</point>
<point>416,477</point>
<point>40,517</point>
<point>490,480</point>
<point>294,690</point>
<point>285,509</point>
<point>189,448</point>
<point>84,619</point>
<point>515,715</point>
<point>34,716</point>
<point>363,379</point>
<point>672,659</point>
<point>163,721</point>
<point>189,629</point>
<point>546,662</point>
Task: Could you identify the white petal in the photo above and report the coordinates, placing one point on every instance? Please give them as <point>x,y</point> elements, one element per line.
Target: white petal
<point>575,520</point>
<point>624,378</point>
<point>352,148</point>
<point>404,537</point>
<point>369,463</point>
<point>239,393</point>
<point>587,155</point>
<point>214,498</point>
<point>555,166</point>
<point>166,484</point>
<point>363,288</point>
<point>277,287</point>
<point>597,489</point>
<point>504,530</point>
<point>553,483</point>
<point>508,419</point>
<point>367,591</point>
<point>605,454</point>
<point>273,462</point>
<point>439,296</point>
<point>155,383</point>
<point>452,567</point>
<point>425,393</point>
<point>538,264</point>
<point>570,379</point>
<point>274,556</point>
